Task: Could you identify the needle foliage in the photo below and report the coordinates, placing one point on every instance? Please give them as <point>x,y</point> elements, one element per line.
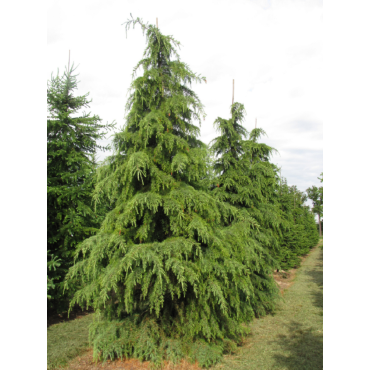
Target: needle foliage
<point>246,179</point>
<point>316,194</point>
<point>173,271</point>
<point>72,138</point>
<point>300,235</point>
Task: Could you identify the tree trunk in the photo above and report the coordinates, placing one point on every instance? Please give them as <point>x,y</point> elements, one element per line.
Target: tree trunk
<point>320,233</point>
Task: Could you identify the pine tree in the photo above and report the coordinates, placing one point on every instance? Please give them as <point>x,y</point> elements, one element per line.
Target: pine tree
<point>71,145</point>
<point>246,179</point>
<point>165,276</point>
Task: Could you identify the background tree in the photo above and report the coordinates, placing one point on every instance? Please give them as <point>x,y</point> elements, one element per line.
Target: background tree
<point>316,194</point>
<point>71,147</point>
<point>300,233</point>
<point>264,200</point>
<point>245,178</point>
<point>167,275</point>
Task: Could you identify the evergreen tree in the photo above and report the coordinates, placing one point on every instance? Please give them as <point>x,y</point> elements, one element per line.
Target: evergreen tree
<point>316,194</point>
<point>300,234</point>
<point>309,223</point>
<point>304,218</point>
<point>166,277</point>
<point>264,200</point>
<point>290,241</point>
<point>71,146</point>
<point>246,179</point>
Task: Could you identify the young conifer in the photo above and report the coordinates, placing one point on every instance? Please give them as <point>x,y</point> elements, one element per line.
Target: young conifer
<point>166,278</point>
<point>71,145</point>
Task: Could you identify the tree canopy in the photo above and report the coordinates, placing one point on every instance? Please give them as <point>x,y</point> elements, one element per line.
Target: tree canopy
<point>172,271</point>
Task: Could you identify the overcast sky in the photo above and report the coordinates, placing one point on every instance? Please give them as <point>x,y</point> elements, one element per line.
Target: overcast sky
<point>272,49</point>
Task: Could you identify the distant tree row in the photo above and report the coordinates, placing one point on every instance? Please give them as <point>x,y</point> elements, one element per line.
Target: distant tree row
<point>316,194</point>
<point>172,242</point>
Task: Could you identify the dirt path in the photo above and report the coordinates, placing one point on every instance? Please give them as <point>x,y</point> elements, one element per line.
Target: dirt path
<point>289,340</point>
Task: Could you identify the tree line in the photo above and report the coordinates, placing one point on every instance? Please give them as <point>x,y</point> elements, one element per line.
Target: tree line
<point>171,241</point>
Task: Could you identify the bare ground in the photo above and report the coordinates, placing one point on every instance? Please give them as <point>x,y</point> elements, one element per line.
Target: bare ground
<point>86,362</point>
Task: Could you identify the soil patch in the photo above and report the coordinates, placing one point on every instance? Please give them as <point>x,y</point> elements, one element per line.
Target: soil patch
<point>86,362</point>
<point>285,279</point>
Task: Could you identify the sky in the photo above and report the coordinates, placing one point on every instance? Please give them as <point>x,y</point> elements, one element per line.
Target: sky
<point>272,50</point>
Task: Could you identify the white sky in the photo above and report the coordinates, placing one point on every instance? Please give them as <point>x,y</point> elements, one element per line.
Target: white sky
<point>273,50</point>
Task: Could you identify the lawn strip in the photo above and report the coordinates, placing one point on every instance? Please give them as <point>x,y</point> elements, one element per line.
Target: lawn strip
<point>292,339</point>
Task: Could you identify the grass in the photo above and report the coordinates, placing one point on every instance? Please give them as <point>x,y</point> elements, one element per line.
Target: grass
<point>292,339</point>
<point>67,340</point>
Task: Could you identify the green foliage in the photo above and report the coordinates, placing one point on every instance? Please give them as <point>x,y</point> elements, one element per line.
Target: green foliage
<point>71,146</point>
<point>310,227</point>
<point>245,178</point>
<point>52,265</point>
<point>300,235</point>
<point>146,340</point>
<point>173,270</point>
<point>316,194</point>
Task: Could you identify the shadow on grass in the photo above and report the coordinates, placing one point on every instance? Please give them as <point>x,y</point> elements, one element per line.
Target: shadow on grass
<point>77,313</point>
<point>302,348</point>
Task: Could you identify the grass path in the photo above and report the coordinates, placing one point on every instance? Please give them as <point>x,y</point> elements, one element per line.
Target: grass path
<point>292,339</point>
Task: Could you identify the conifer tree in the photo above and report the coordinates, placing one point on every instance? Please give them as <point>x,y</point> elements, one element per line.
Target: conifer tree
<point>71,146</point>
<point>291,241</point>
<point>166,277</point>
<point>316,194</point>
<point>304,218</point>
<point>300,234</point>
<point>308,221</point>
<point>264,201</point>
<point>246,179</point>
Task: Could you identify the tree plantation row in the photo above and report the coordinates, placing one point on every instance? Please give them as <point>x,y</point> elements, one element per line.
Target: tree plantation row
<point>171,241</point>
